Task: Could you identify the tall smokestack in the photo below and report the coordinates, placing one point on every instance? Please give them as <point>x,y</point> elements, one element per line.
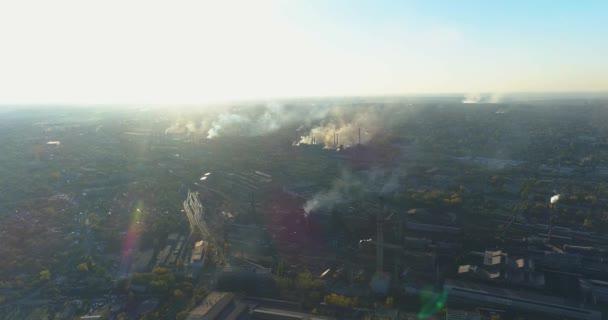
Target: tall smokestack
<point>359,135</point>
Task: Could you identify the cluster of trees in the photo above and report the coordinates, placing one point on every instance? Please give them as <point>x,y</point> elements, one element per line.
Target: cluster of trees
<point>195,296</point>
<point>176,293</point>
<point>341,301</point>
<point>433,198</point>
<point>305,281</point>
<point>45,275</point>
<point>302,287</point>
<point>302,281</point>
<point>87,265</point>
<point>160,280</point>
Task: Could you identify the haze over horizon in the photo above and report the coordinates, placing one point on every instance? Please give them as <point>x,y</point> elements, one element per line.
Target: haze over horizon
<point>114,52</point>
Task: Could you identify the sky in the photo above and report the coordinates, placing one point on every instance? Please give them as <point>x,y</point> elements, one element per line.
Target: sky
<point>160,52</point>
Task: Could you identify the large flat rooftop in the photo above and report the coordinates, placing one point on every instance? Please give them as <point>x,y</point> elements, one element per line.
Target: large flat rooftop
<point>519,299</point>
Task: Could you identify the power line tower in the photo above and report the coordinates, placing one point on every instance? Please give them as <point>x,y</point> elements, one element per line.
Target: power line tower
<point>380,281</point>
<point>380,238</point>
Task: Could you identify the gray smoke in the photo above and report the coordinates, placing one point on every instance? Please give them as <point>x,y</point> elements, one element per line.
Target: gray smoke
<point>345,123</point>
<point>186,126</point>
<point>350,187</point>
<point>271,118</point>
<point>229,124</point>
<point>180,126</point>
<point>343,190</point>
<point>320,121</point>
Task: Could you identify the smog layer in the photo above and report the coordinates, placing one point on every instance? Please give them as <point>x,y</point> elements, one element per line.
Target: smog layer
<point>145,210</point>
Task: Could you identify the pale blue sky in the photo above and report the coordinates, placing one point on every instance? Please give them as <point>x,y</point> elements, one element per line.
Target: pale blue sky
<point>73,51</point>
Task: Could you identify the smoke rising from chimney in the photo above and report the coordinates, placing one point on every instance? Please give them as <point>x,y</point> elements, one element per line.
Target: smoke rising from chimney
<point>349,126</point>
<point>350,187</point>
<point>330,125</point>
<point>254,121</point>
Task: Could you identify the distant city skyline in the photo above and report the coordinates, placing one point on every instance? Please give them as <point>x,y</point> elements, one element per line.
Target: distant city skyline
<point>182,52</point>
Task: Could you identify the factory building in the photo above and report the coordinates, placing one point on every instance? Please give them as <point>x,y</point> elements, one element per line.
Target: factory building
<point>475,294</point>
<point>220,306</point>
<point>499,266</point>
<point>595,291</point>
<point>198,254</point>
<point>278,314</point>
<point>169,255</point>
<point>225,306</point>
<point>451,314</point>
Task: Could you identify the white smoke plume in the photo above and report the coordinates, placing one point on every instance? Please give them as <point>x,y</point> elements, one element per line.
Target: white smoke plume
<point>183,126</point>
<point>496,98</point>
<point>319,121</point>
<point>482,98</point>
<point>350,187</point>
<point>229,124</point>
<point>343,190</point>
<point>555,199</point>
<point>343,125</point>
<point>472,98</point>
<point>245,124</point>
<point>177,127</point>
<point>270,118</point>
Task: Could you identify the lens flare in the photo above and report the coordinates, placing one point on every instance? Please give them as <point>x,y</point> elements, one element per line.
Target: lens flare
<point>131,239</point>
<point>432,303</point>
